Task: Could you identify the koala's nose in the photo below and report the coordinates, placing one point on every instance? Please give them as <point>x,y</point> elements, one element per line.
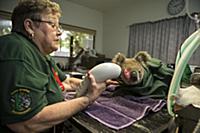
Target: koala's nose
<point>134,75</point>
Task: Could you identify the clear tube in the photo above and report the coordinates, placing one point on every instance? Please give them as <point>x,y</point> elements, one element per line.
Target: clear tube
<point>190,45</point>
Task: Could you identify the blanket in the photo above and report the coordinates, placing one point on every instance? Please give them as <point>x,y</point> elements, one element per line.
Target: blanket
<point>120,112</point>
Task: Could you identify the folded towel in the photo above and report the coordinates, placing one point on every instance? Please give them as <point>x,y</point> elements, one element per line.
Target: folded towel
<point>119,112</point>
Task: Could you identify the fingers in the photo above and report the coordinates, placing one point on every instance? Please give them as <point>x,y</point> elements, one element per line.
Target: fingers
<point>111,82</point>
<point>91,78</point>
<point>93,81</point>
<point>95,89</point>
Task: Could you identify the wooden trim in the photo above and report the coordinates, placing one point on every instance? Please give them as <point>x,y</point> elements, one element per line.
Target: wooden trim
<point>78,29</point>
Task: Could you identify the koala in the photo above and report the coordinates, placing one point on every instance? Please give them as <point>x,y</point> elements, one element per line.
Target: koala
<point>143,75</point>
<point>132,68</point>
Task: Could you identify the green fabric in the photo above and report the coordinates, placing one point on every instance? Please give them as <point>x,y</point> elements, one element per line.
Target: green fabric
<point>185,80</point>
<point>26,81</point>
<point>52,63</point>
<point>156,80</point>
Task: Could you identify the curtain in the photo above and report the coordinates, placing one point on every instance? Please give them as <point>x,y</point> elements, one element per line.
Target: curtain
<point>162,39</point>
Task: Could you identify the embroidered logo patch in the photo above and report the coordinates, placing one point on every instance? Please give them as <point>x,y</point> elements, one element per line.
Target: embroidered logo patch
<point>20,101</point>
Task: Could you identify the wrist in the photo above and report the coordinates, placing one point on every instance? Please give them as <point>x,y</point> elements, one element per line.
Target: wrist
<point>88,99</point>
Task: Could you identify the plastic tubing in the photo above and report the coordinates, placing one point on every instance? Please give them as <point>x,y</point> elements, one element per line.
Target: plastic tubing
<point>185,44</point>
<point>189,46</point>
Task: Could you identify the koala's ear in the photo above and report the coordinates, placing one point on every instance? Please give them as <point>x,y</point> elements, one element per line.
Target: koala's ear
<point>142,56</point>
<point>119,58</point>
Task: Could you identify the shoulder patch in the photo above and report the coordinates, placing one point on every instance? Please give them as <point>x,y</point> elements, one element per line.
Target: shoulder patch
<point>20,101</point>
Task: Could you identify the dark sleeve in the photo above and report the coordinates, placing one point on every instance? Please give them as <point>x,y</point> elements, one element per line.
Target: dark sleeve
<point>61,74</point>
<point>23,90</point>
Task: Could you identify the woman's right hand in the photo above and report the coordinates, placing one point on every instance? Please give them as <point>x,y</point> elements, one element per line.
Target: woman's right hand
<point>95,89</point>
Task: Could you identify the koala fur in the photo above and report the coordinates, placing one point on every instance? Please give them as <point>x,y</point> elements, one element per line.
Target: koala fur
<point>132,68</point>
<point>143,75</point>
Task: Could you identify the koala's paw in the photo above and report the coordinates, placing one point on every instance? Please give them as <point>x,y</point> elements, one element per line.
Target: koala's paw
<point>187,96</point>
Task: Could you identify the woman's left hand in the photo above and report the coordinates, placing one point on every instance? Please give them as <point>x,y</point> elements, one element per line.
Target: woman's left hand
<point>71,84</point>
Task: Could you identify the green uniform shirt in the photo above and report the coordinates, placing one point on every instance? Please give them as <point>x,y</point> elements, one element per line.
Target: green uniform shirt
<point>27,83</point>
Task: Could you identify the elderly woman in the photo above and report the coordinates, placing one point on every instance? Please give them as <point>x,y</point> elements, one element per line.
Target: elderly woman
<point>31,84</point>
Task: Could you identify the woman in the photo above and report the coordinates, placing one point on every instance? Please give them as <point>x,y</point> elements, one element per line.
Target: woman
<point>31,90</point>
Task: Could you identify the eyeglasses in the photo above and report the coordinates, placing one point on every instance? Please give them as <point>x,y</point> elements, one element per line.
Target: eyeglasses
<point>52,24</point>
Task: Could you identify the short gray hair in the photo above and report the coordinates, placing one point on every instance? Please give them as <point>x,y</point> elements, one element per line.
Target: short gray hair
<point>32,9</point>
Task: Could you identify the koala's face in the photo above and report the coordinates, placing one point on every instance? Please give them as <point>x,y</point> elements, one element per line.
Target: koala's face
<point>132,70</point>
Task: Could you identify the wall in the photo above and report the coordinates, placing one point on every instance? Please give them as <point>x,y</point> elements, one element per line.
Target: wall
<point>74,15</point>
<point>112,27</point>
<point>116,22</point>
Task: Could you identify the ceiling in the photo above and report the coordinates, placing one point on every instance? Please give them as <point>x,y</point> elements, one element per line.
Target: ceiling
<point>101,5</point>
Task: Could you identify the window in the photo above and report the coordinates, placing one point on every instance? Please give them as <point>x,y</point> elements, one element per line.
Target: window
<point>73,36</point>
<point>5,23</point>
